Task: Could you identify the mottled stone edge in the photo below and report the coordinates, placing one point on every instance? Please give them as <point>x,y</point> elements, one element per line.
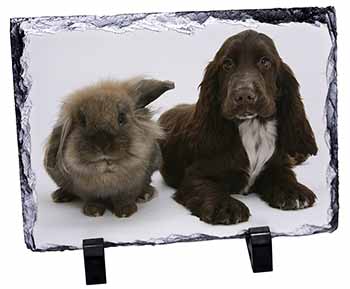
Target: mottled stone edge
<point>311,15</point>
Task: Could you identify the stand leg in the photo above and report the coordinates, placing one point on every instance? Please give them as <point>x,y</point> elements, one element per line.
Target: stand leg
<point>259,243</point>
<point>94,260</point>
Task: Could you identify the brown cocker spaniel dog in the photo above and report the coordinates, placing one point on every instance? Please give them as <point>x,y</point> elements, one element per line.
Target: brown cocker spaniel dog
<point>245,133</point>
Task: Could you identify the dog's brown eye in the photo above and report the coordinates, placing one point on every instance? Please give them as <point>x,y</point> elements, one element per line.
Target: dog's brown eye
<point>265,62</point>
<point>121,118</point>
<point>228,64</point>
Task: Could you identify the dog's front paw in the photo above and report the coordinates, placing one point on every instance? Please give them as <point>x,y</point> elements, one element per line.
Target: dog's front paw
<point>224,211</point>
<point>124,211</point>
<point>291,197</point>
<point>94,209</point>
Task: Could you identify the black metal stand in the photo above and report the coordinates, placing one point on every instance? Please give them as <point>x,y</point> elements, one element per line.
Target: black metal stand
<point>94,260</point>
<point>259,243</point>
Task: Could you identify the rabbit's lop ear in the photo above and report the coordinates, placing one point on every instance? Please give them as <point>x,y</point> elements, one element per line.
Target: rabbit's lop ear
<point>54,148</point>
<point>66,127</point>
<point>148,90</point>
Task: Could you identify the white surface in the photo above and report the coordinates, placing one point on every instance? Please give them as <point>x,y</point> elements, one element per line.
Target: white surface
<point>318,261</point>
<point>62,62</point>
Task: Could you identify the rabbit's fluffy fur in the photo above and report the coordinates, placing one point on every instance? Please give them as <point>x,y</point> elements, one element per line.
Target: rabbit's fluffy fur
<point>103,148</point>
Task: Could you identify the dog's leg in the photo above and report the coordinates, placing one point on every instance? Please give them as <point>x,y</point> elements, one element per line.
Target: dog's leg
<point>279,187</point>
<point>210,201</point>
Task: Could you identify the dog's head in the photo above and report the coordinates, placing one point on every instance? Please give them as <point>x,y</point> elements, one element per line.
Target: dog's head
<point>247,67</point>
<point>246,79</point>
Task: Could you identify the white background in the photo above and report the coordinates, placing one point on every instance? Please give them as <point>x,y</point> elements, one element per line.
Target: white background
<point>62,62</point>
<point>318,261</point>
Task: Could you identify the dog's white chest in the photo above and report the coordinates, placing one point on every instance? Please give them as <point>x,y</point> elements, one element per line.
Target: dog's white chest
<point>258,140</point>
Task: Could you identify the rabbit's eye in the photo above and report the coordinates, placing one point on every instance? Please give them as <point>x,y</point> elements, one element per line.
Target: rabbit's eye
<point>121,118</point>
<point>82,119</point>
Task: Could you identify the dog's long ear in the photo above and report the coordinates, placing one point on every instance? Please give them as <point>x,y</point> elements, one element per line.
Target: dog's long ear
<point>148,90</point>
<point>295,135</point>
<point>209,89</point>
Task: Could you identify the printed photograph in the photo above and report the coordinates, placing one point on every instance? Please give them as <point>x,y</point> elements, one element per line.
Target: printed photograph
<point>167,127</point>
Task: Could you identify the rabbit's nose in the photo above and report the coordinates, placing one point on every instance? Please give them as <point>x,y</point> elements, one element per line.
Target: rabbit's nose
<point>103,140</point>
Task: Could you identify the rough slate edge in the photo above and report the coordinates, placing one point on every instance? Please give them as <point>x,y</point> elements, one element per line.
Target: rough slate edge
<point>311,15</point>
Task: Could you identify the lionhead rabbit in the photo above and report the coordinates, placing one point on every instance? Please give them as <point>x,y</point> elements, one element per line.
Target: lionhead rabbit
<point>103,148</point>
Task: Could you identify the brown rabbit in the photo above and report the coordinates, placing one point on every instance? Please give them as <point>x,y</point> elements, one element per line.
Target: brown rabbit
<point>103,148</point>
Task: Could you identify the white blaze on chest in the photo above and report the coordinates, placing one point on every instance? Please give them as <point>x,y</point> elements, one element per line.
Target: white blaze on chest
<point>258,139</point>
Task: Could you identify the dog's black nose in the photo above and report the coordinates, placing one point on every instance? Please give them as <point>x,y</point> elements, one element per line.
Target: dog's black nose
<point>244,96</point>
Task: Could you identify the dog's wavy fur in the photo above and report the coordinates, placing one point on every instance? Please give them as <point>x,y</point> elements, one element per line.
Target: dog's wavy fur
<point>204,158</point>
